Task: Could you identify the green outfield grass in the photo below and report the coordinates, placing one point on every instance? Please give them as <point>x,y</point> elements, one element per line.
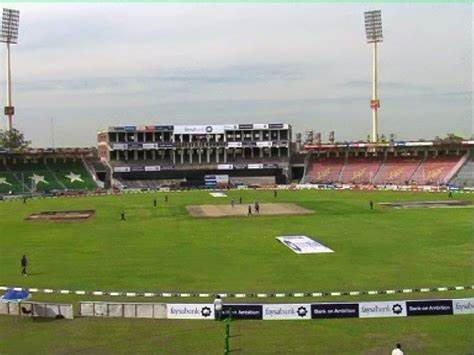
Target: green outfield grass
<point>164,249</point>
<point>418,335</point>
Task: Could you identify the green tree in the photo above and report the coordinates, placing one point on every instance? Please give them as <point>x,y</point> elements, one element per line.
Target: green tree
<point>451,137</point>
<point>13,139</point>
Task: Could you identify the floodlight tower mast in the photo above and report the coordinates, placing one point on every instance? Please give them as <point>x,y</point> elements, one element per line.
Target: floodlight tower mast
<point>373,30</point>
<point>9,35</point>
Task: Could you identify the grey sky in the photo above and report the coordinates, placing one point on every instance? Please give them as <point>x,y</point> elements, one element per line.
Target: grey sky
<point>89,66</point>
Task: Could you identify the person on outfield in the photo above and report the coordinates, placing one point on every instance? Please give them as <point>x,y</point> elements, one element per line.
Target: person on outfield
<point>397,350</point>
<point>249,213</point>
<point>240,200</point>
<point>371,204</point>
<point>257,207</point>
<point>122,216</point>
<point>166,198</point>
<point>24,265</point>
<point>218,308</point>
<point>450,195</point>
<point>154,202</point>
<point>274,193</point>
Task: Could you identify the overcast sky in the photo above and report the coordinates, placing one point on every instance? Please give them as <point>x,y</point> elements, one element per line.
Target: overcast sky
<point>88,66</point>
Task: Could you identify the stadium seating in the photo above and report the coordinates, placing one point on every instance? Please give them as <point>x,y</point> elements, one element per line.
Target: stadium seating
<point>391,170</point>
<point>360,170</point>
<point>435,170</point>
<point>72,175</point>
<point>8,182</point>
<point>35,177</point>
<point>44,177</point>
<point>465,176</point>
<point>397,170</point>
<point>324,170</point>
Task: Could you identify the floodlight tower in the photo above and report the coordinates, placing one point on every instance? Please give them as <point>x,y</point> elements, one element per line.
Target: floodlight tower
<point>9,35</point>
<point>373,30</point>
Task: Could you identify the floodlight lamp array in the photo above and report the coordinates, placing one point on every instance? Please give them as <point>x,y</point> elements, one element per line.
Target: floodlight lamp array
<point>10,22</point>
<point>373,26</point>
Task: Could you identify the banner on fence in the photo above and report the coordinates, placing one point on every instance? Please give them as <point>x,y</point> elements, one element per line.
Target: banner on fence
<point>189,311</point>
<point>429,307</point>
<point>243,311</point>
<point>382,309</point>
<point>334,310</point>
<point>286,311</point>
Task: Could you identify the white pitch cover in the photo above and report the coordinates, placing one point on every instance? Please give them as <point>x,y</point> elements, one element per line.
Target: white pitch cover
<point>302,244</point>
<point>463,306</point>
<point>189,311</point>
<point>286,311</point>
<point>382,309</point>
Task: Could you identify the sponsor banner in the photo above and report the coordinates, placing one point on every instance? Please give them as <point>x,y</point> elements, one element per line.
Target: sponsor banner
<point>117,128</point>
<point>255,166</point>
<point>120,146</point>
<point>130,128</point>
<point>302,244</point>
<point>270,166</point>
<point>138,168</point>
<point>277,126</point>
<point>264,144</point>
<point>286,311</point>
<point>234,144</point>
<point>260,126</point>
<point>134,145</point>
<point>166,144</point>
<point>199,129</point>
<point>231,127</point>
<point>150,146</point>
<point>463,306</point>
<point>245,126</point>
<point>242,311</point>
<point>334,310</point>
<point>189,311</point>
<point>225,167</point>
<point>122,169</point>
<point>382,309</point>
<point>164,128</point>
<point>152,168</point>
<point>429,307</point>
<point>240,166</point>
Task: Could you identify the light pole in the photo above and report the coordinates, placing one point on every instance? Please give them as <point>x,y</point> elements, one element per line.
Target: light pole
<point>9,35</point>
<point>373,30</point>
